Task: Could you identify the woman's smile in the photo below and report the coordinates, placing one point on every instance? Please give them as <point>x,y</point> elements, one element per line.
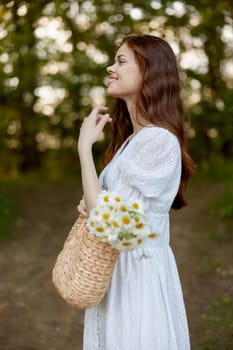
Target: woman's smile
<point>112,79</point>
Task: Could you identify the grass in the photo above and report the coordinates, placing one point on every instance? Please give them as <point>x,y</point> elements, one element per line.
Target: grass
<point>216,326</point>
<point>13,187</point>
<point>221,215</point>
<point>209,262</point>
<point>220,207</point>
<point>215,330</point>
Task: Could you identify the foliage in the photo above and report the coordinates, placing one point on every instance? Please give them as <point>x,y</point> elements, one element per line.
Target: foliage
<point>53,57</point>
<point>8,204</point>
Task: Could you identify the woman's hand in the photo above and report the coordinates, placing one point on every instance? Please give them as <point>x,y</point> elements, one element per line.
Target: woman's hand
<point>90,131</point>
<point>82,207</point>
<point>92,127</point>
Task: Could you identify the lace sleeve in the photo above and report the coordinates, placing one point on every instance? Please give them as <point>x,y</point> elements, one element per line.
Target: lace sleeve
<point>152,168</point>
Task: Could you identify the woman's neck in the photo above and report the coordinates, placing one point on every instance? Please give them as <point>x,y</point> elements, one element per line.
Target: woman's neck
<point>137,122</point>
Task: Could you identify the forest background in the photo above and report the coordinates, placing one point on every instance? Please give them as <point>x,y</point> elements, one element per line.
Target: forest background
<point>53,58</point>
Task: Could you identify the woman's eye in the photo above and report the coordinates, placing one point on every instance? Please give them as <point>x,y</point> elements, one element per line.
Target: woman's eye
<point>121,62</point>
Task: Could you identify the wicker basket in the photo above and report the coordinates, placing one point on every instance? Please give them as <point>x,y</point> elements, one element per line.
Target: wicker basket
<point>84,267</point>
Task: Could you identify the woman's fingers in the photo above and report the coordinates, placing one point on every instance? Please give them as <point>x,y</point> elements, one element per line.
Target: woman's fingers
<point>96,116</point>
<point>82,207</point>
<point>82,210</point>
<point>103,120</point>
<point>98,111</point>
<point>92,127</point>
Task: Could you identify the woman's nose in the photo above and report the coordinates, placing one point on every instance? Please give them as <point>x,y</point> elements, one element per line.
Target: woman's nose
<point>110,69</point>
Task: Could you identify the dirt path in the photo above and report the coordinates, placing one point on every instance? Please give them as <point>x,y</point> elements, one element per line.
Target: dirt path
<point>34,317</point>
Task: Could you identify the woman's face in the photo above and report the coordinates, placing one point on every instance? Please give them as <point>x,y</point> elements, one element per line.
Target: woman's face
<point>125,78</point>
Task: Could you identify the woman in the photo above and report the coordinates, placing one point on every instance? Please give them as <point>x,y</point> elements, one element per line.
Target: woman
<point>147,160</point>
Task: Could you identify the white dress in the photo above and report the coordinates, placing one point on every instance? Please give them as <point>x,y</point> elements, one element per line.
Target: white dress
<point>143,308</point>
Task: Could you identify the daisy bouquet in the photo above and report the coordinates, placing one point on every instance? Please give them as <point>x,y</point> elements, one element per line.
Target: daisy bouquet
<point>121,224</point>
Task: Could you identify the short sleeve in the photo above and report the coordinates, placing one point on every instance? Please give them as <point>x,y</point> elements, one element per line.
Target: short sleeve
<point>152,166</point>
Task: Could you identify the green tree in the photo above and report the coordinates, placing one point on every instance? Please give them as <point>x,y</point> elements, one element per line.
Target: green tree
<point>53,57</point>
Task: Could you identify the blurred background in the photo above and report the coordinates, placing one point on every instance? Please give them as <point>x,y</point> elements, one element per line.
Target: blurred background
<point>53,58</point>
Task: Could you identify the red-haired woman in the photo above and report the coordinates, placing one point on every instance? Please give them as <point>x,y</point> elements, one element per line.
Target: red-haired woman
<point>147,160</point>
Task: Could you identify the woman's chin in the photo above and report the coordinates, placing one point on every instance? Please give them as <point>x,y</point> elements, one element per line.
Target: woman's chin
<point>112,93</point>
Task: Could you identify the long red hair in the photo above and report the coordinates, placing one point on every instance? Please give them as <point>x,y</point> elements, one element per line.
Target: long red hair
<point>158,103</point>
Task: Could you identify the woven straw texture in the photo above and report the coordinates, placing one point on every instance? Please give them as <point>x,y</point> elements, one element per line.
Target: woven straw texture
<point>84,267</point>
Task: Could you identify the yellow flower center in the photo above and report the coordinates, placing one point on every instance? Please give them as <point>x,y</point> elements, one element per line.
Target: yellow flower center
<point>115,224</point>
<point>123,208</point>
<point>139,226</point>
<point>152,235</point>
<point>106,198</point>
<point>117,199</point>
<point>135,205</point>
<point>126,244</point>
<point>139,241</point>
<point>100,229</point>
<point>106,216</point>
<point>125,220</point>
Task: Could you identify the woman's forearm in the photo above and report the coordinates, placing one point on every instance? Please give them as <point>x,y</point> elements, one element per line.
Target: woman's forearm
<point>90,181</point>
